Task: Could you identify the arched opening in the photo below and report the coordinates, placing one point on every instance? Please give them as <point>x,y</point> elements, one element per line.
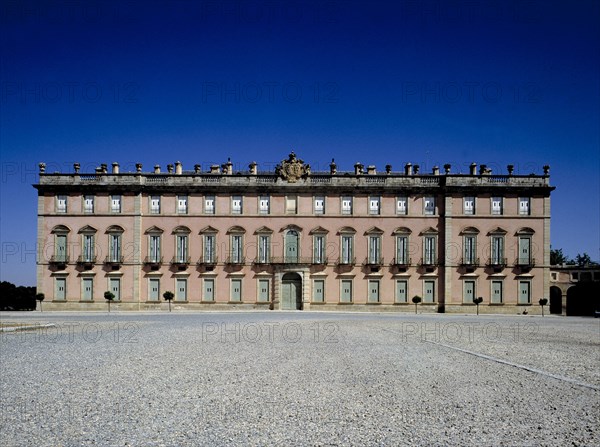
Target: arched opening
<point>583,299</point>
<point>291,291</point>
<point>291,246</point>
<point>555,300</point>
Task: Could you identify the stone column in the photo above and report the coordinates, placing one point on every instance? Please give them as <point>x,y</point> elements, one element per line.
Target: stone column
<point>447,261</point>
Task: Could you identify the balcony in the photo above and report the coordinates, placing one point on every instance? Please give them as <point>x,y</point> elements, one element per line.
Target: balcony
<point>373,263</point>
<point>235,260</point>
<point>402,264</point>
<point>469,264</point>
<point>428,264</point>
<point>292,260</point>
<point>525,265</point>
<point>153,261</point>
<point>180,262</point>
<point>346,262</point>
<point>208,261</point>
<point>60,262</point>
<point>319,261</point>
<point>262,261</point>
<point>87,262</point>
<point>497,265</point>
<point>114,262</point>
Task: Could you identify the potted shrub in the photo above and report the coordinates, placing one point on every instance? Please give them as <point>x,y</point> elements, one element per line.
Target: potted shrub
<point>543,302</point>
<point>40,297</point>
<point>168,296</point>
<point>478,301</point>
<point>416,299</point>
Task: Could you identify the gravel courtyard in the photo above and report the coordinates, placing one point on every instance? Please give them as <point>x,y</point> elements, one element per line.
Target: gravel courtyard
<point>299,378</point>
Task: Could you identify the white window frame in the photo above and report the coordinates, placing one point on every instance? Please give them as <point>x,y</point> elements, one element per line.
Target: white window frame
<point>264,204</point>
<point>429,206</point>
<point>264,248</point>
<point>402,242</point>
<point>524,206</point>
<point>181,248</point>
<point>154,247</point>
<point>469,249</point>
<point>182,204</point>
<point>236,252</point>
<point>154,204</point>
<point>61,204</point>
<point>497,206</point>
<point>374,248</point>
<point>429,249</point>
<point>209,242</point>
<point>469,206</point>
<point>319,205</point>
<point>210,206</point>
<point>319,247</point>
<point>237,205</point>
<point>497,249</point>
<point>115,249</point>
<point>402,205</point>
<point>347,248</point>
<point>115,203</point>
<point>346,205</point>
<point>88,204</point>
<point>88,248</point>
<point>374,205</point>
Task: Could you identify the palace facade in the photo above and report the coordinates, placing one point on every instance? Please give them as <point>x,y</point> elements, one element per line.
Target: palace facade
<point>294,239</point>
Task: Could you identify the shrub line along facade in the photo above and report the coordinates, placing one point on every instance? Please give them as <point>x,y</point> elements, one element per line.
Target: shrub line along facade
<point>294,239</point>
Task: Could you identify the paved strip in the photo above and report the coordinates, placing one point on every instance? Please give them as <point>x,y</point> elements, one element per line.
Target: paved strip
<point>32,327</point>
<point>516,365</point>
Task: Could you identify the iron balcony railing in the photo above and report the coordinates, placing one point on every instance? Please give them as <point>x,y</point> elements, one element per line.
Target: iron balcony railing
<point>235,260</point>
<point>114,260</point>
<point>469,262</point>
<point>524,262</point>
<point>346,261</point>
<point>401,262</point>
<point>177,260</point>
<point>378,262</point>
<point>210,261</point>
<point>496,262</point>
<point>86,259</point>
<point>153,260</point>
<point>291,260</point>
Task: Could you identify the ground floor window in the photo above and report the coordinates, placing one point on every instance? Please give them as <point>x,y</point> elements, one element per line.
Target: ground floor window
<point>373,291</point>
<point>524,292</point>
<point>429,291</point>
<point>318,291</point>
<point>346,291</point>
<point>263,290</point>
<point>496,292</point>
<point>87,289</point>
<point>60,289</point>
<point>154,289</point>
<point>236,290</point>
<point>181,289</point>
<point>401,291</point>
<point>208,289</point>
<point>114,285</point>
<point>468,291</point>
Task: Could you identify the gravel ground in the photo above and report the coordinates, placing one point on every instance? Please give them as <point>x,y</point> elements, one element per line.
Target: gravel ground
<point>299,378</point>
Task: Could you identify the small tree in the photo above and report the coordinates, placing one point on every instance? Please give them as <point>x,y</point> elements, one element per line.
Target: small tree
<point>416,299</point>
<point>478,301</point>
<point>168,296</point>
<point>543,302</point>
<point>40,297</point>
<point>109,296</point>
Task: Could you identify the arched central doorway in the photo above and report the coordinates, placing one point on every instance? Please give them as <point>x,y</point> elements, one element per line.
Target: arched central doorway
<point>291,292</point>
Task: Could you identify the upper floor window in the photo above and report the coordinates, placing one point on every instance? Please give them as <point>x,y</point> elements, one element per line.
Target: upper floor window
<point>347,205</point>
<point>497,206</point>
<point>115,203</point>
<point>209,205</point>
<point>114,249</point>
<point>87,254</point>
<point>319,249</point>
<point>264,205</point>
<point>375,249</point>
<point>264,248</point>
<point>470,249</point>
<point>429,250</point>
<point>236,205</point>
<point>319,205</point>
<point>61,204</point>
<point>402,205</point>
<point>154,248</point>
<point>429,205</point>
<point>524,206</point>
<point>374,205</point>
<point>88,204</point>
<point>402,249</point>
<point>291,205</point>
<point>181,248</point>
<point>210,248</point>
<point>237,249</point>
<point>182,204</point>
<point>497,250</point>
<point>154,204</point>
<point>469,205</point>
<point>346,255</point>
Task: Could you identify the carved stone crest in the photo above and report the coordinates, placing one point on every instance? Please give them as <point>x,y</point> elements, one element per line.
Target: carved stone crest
<point>293,169</point>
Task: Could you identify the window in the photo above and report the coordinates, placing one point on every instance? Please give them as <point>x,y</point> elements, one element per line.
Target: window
<point>87,289</point>
<point>346,291</point>
<point>209,249</point>
<point>114,247</point>
<point>209,205</point>
<point>497,206</point>
<point>181,289</point>
<point>401,291</point>
<point>237,255</point>
<point>347,205</point>
<point>319,249</point>
<point>236,290</point>
<point>88,248</point>
<point>154,289</point>
<point>468,291</point>
<point>319,205</point>
<point>60,251</point>
<point>402,250</point>
<point>181,249</point>
<point>264,205</point>
<point>429,291</point>
<point>575,276</point>
<point>524,292</point>
<point>115,204</point>
<point>496,292</point>
<point>60,289</point>
<point>236,205</point>
<point>291,205</point>
<point>429,206</point>
<point>263,290</point>
<point>498,250</point>
<point>114,285</point>
<point>402,205</point>
<point>182,204</point>
<point>264,248</point>
<point>347,249</point>
<point>154,248</point>
<point>88,204</point>
<point>375,249</point>
<point>208,289</point>
<point>154,204</point>
<point>318,291</point>
<point>469,205</point>
<point>524,251</point>
<point>61,204</point>
<point>373,291</point>
<point>429,250</point>
<point>470,250</point>
<point>374,205</point>
<point>524,209</point>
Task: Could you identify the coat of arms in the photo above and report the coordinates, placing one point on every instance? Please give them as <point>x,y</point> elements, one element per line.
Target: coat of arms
<point>293,168</point>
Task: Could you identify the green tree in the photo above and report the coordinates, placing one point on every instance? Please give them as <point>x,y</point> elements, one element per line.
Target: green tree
<point>109,296</point>
<point>478,301</point>
<point>40,297</point>
<point>416,299</point>
<point>583,260</point>
<point>557,257</point>
<point>168,296</point>
<point>543,302</point>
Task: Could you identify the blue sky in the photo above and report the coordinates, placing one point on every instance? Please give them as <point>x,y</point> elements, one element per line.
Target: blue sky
<point>430,82</point>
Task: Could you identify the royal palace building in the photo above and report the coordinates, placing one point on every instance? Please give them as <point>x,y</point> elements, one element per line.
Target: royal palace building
<point>294,239</point>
